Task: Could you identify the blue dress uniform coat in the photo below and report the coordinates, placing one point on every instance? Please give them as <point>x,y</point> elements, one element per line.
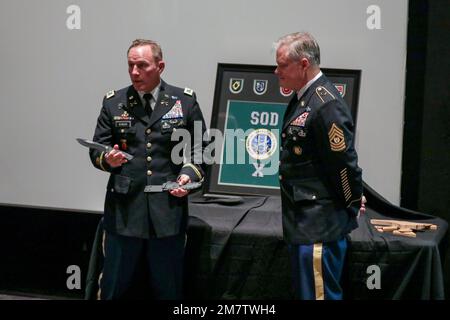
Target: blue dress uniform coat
<point>321,183</point>
<point>124,121</point>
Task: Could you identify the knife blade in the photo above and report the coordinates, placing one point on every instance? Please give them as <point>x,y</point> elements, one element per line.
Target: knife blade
<point>101,147</point>
<point>170,185</point>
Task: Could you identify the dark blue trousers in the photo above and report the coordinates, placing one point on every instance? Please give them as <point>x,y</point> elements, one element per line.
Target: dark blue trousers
<point>162,258</point>
<point>317,269</point>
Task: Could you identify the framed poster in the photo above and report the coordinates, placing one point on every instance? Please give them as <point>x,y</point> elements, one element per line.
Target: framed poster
<point>248,112</point>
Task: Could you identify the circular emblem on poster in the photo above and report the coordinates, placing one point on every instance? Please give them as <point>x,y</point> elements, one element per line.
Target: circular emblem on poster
<point>285,92</point>
<point>261,144</point>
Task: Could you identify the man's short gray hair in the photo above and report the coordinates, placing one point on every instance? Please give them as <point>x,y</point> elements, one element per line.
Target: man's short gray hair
<point>156,48</point>
<point>301,45</point>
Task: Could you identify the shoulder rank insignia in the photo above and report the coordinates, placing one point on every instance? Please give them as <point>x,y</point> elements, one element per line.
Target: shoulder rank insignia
<point>337,140</point>
<point>110,94</point>
<point>188,91</point>
<point>324,94</point>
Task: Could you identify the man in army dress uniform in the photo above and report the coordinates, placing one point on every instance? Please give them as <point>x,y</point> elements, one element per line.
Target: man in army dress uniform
<point>320,181</point>
<point>140,120</point>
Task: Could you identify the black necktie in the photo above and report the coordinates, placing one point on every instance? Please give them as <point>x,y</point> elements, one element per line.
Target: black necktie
<point>294,99</point>
<point>148,108</point>
<point>291,106</point>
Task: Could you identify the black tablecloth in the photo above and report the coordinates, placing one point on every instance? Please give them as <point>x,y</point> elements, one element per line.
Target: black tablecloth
<point>254,263</point>
<point>236,251</point>
<point>411,268</point>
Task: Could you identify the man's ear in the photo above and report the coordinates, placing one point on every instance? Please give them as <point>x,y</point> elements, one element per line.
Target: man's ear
<point>161,66</point>
<point>304,62</point>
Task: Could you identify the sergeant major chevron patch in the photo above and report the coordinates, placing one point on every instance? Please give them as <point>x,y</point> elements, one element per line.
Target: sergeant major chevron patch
<point>337,139</point>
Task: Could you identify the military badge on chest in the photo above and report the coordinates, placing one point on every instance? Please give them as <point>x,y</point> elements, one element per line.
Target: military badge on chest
<point>300,121</point>
<point>124,123</point>
<point>172,119</point>
<point>296,132</point>
<point>297,129</point>
<point>132,101</point>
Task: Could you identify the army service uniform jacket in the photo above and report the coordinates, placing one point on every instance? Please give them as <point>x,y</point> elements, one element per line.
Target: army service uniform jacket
<point>123,121</point>
<point>320,181</point>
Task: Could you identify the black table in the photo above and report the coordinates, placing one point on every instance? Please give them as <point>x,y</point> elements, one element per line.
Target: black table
<point>236,251</point>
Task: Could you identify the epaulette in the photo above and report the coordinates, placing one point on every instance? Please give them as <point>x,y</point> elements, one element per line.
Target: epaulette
<point>110,94</point>
<point>324,94</point>
<point>188,91</point>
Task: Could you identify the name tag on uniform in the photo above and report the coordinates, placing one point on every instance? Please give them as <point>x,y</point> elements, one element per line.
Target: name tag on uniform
<point>123,124</point>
